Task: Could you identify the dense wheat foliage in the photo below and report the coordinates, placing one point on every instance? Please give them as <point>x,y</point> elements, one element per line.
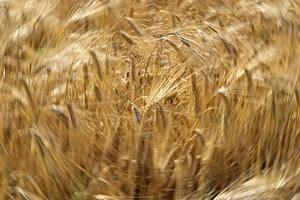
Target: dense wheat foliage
<point>149,99</point>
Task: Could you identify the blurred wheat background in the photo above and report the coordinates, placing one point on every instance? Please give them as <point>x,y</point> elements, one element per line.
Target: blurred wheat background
<point>149,99</point>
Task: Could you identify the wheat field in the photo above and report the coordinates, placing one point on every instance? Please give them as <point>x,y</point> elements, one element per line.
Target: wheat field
<point>149,99</point>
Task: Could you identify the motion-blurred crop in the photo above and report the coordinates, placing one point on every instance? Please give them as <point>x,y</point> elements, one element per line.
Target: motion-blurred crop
<point>149,99</point>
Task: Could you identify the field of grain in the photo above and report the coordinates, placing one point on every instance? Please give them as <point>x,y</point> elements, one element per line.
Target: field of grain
<point>149,99</point>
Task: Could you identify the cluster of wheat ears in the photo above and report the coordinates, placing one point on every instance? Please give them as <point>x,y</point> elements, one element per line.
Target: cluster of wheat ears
<point>149,99</point>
